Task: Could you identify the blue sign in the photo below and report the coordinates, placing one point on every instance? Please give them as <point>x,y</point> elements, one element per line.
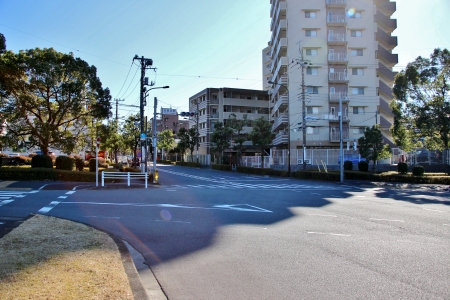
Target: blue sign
<point>143,136</point>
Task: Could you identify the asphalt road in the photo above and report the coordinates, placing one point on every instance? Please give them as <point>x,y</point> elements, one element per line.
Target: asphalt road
<point>219,235</point>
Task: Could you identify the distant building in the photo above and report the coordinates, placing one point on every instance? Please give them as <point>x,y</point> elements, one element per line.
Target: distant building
<point>345,47</point>
<point>213,105</point>
<point>168,118</point>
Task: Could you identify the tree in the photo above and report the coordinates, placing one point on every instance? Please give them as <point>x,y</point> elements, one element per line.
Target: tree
<point>51,97</point>
<point>220,138</point>
<point>131,134</point>
<point>371,145</point>
<point>166,140</point>
<point>238,137</point>
<point>183,144</point>
<point>421,91</point>
<point>261,135</point>
<point>113,138</point>
<point>2,43</point>
<point>192,140</point>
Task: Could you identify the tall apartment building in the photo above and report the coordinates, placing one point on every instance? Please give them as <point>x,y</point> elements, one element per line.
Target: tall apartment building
<point>343,48</point>
<point>215,105</point>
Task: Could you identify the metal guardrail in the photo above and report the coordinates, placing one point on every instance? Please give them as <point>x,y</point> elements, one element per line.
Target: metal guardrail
<point>124,175</point>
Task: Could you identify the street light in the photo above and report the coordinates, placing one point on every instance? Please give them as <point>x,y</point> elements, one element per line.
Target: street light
<point>289,128</point>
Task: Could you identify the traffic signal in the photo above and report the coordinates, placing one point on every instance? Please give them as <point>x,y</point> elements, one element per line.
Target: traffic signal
<point>187,114</point>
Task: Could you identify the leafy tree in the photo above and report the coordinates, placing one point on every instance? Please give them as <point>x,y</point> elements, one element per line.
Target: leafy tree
<point>193,140</point>
<point>238,137</point>
<point>2,43</point>
<point>220,138</point>
<point>422,91</point>
<point>166,140</point>
<point>261,135</point>
<point>51,97</point>
<point>371,145</point>
<point>183,144</point>
<point>113,138</point>
<point>131,134</point>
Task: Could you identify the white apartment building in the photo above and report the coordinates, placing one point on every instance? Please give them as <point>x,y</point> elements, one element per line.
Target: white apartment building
<point>345,47</point>
<point>213,105</point>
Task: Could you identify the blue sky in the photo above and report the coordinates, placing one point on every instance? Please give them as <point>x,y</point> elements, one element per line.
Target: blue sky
<point>194,44</point>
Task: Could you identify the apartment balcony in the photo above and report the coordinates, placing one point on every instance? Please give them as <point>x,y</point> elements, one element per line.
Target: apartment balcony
<point>383,87</point>
<point>282,26</point>
<point>385,21</point>
<point>336,20</point>
<point>335,136</point>
<point>387,39</point>
<point>388,56</point>
<point>336,3</point>
<point>278,64</point>
<point>338,77</point>
<point>334,117</point>
<point>337,39</point>
<point>334,97</point>
<point>281,80</point>
<point>386,5</point>
<point>338,58</point>
<point>214,116</point>
<point>386,108</point>
<point>279,122</point>
<point>282,102</point>
<point>382,69</point>
<point>281,45</point>
<point>276,17</point>
<point>281,138</point>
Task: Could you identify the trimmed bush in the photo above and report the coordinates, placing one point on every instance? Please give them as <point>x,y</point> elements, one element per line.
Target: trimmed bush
<point>64,163</point>
<point>402,167</point>
<point>101,164</point>
<point>363,166</point>
<point>188,164</point>
<point>79,163</point>
<point>42,161</point>
<point>348,165</point>
<point>418,171</point>
<point>221,167</point>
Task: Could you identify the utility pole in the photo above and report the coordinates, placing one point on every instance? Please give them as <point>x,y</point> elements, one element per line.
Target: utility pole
<point>146,63</point>
<point>197,134</point>
<point>117,107</point>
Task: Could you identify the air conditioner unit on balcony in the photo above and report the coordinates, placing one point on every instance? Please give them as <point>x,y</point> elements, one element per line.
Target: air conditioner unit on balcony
<point>300,161</point>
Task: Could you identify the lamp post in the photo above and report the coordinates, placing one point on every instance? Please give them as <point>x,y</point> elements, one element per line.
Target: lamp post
<point>289,128</point>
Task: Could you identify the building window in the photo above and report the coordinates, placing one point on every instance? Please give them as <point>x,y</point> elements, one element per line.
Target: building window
<point>214,97</point>
<point>310,14</point>
<point>359,130</point>
<point>358,110</point>
<point>311,52</point>
<point>312,110</point>
<point>356,33</point>
<point>358,71</point>
<point>357,52</point>
<point>358,91</point>
<point>312,71</point>
<point>356,15</point>
<point>312,90</point>
<point>213,111</point>
<point>312,130</point>
<point>312,33</point>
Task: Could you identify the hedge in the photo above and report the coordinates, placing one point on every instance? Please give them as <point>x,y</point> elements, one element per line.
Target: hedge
<point>188,164</point>
<point>264,171</point>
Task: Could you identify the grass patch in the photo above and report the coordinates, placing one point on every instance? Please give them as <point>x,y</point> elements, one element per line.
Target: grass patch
<point>51,258</point>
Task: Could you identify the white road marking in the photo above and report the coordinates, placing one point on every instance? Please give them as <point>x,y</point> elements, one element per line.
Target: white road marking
<point>315,194</point>
<point>62,197</point>
<point>42,187</point>
<point>1,223</point>
<point>5,202</point>
<point>387,220</point>
<point>70,192</point>
<point>323,233</point>
<point>319,215</point>
<point>360,196</point>
<point>33,192</point>
<point>170,190</point>
<point>446,224</point>
<point>435,210</point>
<point>47,208</point>
<point>237,207</point>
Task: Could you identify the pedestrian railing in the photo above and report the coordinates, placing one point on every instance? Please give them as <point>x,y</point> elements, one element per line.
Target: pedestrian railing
<point>124,175</point>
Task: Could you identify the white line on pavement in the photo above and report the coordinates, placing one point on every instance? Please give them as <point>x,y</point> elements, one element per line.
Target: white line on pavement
<point>323,233</point>
<point>47,208</point>
<point>70,192</point>
<point>319,215</point>
<point>42,187</point>
<point>387,220</point>
<point>435,210</point>
<point>62,197</point>
<point>5,202</point>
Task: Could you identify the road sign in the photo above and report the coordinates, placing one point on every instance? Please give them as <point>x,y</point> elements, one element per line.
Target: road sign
<point>143,136</point>
<point>98,141</point>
